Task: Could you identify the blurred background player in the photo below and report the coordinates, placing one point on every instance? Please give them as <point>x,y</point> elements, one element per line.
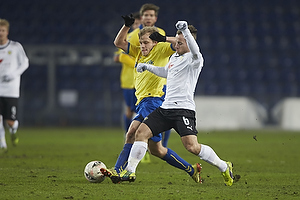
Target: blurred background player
<point>13,62</point>
<point>127,77</point>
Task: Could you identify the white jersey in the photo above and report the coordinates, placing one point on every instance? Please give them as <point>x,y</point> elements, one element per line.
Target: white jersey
<point>182,76</point>
<point>13,62</point>
<point>182,72</point>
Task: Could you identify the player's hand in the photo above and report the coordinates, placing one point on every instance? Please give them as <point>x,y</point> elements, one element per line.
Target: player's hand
<point>141,67</point>
<point>181,25</point>
<point>7,78</point>
<point>157,37</point>
<point>128,19</point>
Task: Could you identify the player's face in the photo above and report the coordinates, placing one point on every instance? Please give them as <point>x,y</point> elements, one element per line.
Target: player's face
<point>181,45</point>
<point>149,18</point>
<point>3,34</point>
<point>136,24</point>
<point>146,44</point>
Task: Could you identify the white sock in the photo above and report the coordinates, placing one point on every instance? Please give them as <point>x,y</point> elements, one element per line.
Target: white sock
<point>14,127</point>
<point>2,136</point>
<point>208,154</point>
<point>137,152</point>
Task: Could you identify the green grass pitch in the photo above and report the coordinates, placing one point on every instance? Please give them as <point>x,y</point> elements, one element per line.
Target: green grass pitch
<point>48,163</point>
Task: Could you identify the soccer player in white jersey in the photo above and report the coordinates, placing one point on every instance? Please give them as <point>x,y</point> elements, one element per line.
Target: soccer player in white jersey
<point>13,62</point>
<point>178,109</point>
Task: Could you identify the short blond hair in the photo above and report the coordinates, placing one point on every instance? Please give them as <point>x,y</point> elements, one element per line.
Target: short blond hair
<point>147,29</point>
<point>4,22</point>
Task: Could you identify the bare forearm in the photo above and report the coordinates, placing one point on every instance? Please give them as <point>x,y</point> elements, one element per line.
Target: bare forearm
<point>120,40</point>
<point>171,40</point>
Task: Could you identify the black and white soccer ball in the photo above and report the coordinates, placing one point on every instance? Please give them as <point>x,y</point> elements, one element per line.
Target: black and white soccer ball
<point>92,171</point>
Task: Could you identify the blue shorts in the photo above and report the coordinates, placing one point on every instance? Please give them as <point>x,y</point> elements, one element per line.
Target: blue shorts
<point>130,98</point>
<point>145,107</point>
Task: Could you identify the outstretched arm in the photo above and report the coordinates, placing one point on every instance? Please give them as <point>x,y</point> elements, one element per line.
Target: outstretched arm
<point>158,71</point>
<point>156,36</point>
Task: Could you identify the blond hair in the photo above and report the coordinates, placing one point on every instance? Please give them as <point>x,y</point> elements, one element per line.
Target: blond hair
<point>147,29</point>
<point>4,22</point>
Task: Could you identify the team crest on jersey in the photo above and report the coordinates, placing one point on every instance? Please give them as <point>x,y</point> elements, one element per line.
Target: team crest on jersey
<point>150,62</point>
<point>9,52</point>
<point>170,65</point>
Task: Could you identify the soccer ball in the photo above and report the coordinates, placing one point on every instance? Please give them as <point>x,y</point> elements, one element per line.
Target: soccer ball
<point>92,171</point>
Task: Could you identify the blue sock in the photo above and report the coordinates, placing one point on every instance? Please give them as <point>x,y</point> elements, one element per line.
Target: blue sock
<point>123,158</point>
<point>127,122</point>
<point>173,159</point>
<point>166,138</point>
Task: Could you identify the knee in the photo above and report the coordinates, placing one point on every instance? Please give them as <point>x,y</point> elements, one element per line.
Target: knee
<point>143,133</point>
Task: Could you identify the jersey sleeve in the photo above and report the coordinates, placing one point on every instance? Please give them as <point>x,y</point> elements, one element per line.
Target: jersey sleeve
<point>133,50</point>
<point>193,46</point>
<point>166,49</point>
<point>23,61</point>
<point>126,59</point>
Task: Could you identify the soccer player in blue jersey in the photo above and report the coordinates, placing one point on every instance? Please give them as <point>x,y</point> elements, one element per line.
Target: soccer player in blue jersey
<point>149,93</point>
<point>178,109</point>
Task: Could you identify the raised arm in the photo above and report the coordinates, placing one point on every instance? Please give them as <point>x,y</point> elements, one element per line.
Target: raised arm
<point>190,40</point>
<point>120,40</point>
